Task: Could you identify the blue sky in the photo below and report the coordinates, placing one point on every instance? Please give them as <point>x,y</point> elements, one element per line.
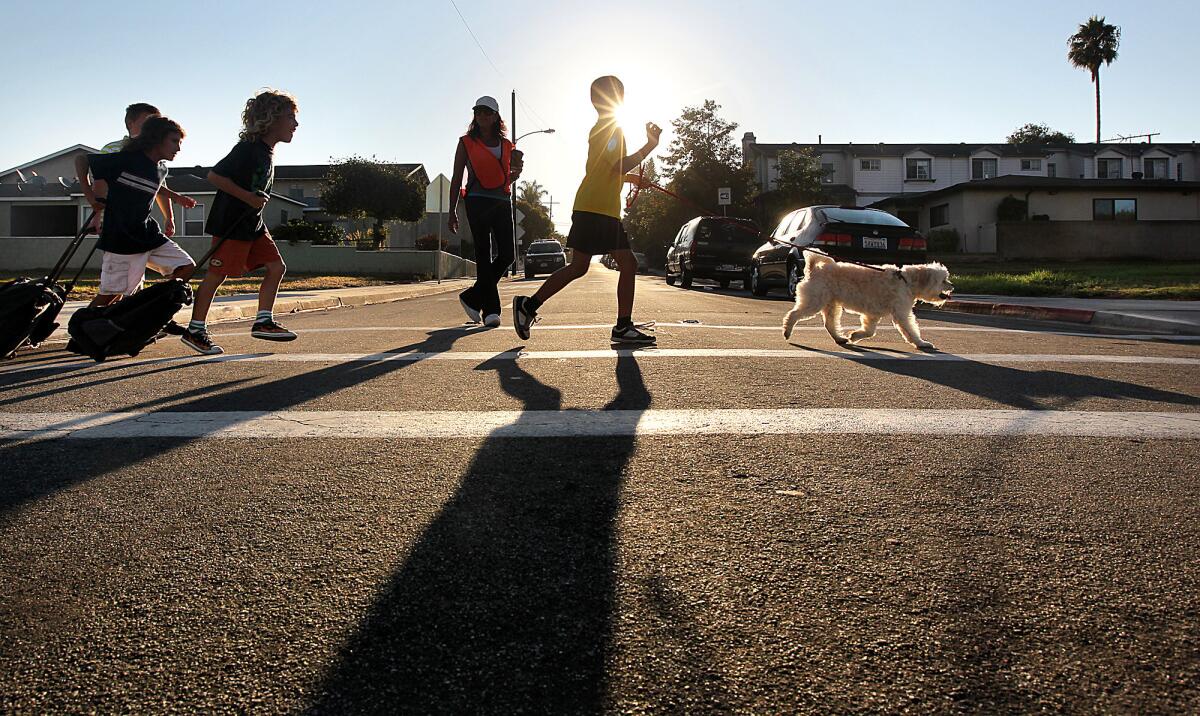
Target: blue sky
<point>396,80</point>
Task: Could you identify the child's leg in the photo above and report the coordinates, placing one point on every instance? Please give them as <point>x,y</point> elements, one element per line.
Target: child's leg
<point>120,275</point>
<point>270,285</point>
<point>627,267</point>
<point>565,275</point>
<point>205,293</point>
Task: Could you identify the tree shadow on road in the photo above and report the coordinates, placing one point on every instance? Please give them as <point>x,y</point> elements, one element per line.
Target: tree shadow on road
<point>506,602</point>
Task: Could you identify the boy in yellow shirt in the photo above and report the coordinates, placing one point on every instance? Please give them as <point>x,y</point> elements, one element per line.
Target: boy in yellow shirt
<point>596,217</point>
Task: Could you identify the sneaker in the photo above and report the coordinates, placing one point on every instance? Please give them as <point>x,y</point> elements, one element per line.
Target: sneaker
<point>492,320</point>
<point>472,313</point>
<point>631,334</point>
<point>269,330</point>
<point>523,320</point>
<point>200,342</point>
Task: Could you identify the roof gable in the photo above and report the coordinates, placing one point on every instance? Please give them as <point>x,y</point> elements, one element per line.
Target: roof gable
<point>48,157</point>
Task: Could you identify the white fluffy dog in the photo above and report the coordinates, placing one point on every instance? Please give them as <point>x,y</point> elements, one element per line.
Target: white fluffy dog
<point>830,286</point>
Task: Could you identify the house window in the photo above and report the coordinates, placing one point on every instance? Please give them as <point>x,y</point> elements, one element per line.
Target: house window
<point>827,173</point>
<point>983,168</point>
<point>1108,168</point>
<point>193,221</point>
<point>283,216</point>
<point>1051,169</point>
<point>1031,165</point>
<point>939,215</point>
<point>1179,171</point>
<point>869,165</point>
<point>1114,209</point>
<point>918,169</point>
<point>297,193</point>
<point>1155,168</point>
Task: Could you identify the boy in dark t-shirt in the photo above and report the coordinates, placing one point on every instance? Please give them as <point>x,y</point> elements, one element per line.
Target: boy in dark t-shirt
<point>130,239</point>
<point>243,180</point>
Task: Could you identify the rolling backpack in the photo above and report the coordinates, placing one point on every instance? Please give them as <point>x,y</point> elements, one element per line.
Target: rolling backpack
<point>29,307</point>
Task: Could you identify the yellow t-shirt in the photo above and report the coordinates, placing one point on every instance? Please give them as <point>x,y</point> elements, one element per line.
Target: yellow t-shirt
<point>600,190</point>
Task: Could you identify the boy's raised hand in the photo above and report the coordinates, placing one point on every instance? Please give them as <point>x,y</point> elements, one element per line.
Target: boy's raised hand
<point>187,202</point>
<point>653,132</point>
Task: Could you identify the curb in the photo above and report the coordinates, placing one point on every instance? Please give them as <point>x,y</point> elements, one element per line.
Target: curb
<point>1100,319</point>
<point>220,314</point>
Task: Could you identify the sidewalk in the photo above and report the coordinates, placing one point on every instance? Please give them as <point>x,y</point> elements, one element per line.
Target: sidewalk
<point>245,305</point>
<point>1175,317</point>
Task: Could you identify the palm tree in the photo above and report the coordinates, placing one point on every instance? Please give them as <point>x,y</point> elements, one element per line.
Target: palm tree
<point>531,193</point>
<point>1094,44</point>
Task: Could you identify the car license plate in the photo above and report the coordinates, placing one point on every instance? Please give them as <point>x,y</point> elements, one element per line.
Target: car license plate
<point>728,267</point>
<point>869,243</point>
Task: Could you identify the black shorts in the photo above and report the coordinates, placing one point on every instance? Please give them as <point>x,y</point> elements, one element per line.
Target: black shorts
<point>595,234</point>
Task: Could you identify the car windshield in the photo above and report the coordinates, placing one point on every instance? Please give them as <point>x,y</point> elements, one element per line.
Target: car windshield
<point>729,229</point>
<point>862,216</point>
<point>552,248</point>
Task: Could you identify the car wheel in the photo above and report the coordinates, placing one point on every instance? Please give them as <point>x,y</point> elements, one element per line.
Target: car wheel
<point>755,284</point>
<point>793,278</point>
<point>670,280</point>
<point>685,278</point>
<point>723,283</point>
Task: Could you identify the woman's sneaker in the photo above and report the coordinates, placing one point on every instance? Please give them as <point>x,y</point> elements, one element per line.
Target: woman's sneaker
<point>472,313</point>
<point>269,330</point>
<point>631,334</point>
<point>200,342</point>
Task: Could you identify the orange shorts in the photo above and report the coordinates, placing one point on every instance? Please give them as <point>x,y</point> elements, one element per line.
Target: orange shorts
<point>237,258</point>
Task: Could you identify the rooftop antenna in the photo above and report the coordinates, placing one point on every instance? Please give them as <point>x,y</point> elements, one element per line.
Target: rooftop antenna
<point>1119,138</point>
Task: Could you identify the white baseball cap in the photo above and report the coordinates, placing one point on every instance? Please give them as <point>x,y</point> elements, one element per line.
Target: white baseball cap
<point>489,102</point>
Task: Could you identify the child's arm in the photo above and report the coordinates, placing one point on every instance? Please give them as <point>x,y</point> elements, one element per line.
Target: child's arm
<point>164,205</point>
<point>653,131</point>
<point>227,185</point>
<point>186,202</point>
<point>84,173</point>
<point>460,165</point>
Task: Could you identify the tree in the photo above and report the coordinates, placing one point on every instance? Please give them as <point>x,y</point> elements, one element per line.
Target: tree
<point>1094,44</point>
<point>365,189</point>
<point>1039,134</point>
<point>537,224</point>
<point>799,184</point>
<point>703,157</point>
<point>532,193</point>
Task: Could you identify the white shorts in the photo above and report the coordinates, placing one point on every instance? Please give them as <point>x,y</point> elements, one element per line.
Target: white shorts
<point>122,274</point>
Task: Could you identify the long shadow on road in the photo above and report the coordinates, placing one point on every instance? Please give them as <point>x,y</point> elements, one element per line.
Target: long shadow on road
<point>506,602</point>
<point>35,470</point>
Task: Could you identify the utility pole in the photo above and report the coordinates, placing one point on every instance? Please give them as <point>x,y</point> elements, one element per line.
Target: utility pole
<point>512,198</point>
<point>550,206</point>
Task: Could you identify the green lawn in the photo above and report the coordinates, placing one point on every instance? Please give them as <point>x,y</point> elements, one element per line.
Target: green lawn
<point>1099,279</point>
<point>86,288</point>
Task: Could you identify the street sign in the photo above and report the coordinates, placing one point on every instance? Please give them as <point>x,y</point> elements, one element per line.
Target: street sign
<point>437,195</point>
<point>724,196</point>
<point>518,230</point>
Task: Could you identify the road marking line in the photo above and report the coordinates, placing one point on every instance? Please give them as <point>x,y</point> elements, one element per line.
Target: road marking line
<point>579,423</point>
<point>794,354</point>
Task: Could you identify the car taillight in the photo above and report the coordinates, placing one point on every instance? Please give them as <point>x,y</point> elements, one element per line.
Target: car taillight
<point>917,244</point>
<point>832,240</point>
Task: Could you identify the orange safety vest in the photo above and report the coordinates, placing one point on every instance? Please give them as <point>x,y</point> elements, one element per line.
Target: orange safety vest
<point>490,172</point>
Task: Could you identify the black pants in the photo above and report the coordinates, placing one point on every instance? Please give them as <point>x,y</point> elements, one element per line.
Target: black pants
<point>492,226</point>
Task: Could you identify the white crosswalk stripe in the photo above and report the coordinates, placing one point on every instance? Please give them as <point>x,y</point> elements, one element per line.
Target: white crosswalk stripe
<point>581,423</point>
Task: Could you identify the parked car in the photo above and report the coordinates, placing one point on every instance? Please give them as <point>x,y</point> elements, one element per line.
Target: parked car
<point>715,248</point>
<point>845,232</point>
<point>544,257</point>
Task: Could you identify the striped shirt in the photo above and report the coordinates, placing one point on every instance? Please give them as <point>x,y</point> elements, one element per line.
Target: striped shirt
<point>133,180</point>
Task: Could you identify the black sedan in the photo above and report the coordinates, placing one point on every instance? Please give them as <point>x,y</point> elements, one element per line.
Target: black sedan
<point>544,257</point>
<point>865,235</point>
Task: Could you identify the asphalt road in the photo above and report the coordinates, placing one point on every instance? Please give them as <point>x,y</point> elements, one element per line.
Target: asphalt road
<point>398,557</point>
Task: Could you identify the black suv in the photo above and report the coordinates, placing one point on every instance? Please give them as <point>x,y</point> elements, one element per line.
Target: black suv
<point>544,257</point>
<point>713,247</point>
